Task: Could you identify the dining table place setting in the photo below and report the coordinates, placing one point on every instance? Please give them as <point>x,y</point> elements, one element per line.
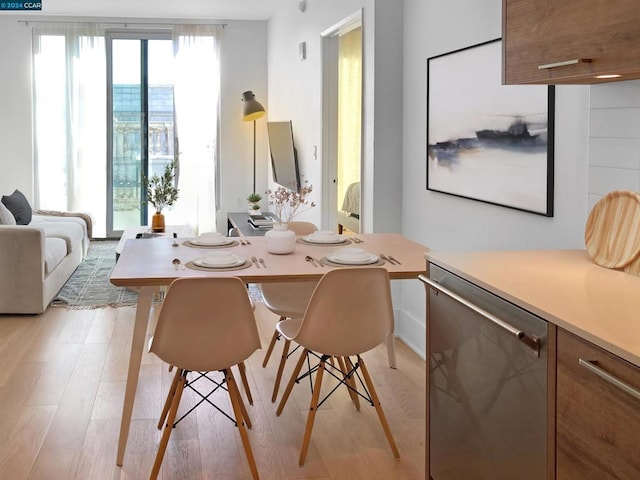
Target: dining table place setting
<point>146,265</point>
<point>211,240</point>
<point>325,238</point>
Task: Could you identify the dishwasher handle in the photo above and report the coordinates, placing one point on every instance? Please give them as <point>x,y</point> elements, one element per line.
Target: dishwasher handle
<point>528,339</point>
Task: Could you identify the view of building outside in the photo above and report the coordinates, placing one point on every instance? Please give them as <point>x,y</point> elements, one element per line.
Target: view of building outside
<point>128,118</point>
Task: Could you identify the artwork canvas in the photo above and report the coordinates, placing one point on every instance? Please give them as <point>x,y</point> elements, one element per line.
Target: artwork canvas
<point>487,141</point>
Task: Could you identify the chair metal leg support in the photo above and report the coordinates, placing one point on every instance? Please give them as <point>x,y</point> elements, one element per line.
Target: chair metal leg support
<point>378,407</point>
<point>162,447</point>
<point>312,412</point>
<point>236,403</point>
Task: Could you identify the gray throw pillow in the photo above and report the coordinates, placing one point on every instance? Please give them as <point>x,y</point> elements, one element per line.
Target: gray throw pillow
<point>18,204</point>
<point>6,217</point>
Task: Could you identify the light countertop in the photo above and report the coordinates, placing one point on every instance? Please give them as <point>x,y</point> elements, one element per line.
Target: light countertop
<point>563,287</point>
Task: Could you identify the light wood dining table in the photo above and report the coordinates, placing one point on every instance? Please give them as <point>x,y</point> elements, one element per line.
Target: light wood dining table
<point>146,265</point>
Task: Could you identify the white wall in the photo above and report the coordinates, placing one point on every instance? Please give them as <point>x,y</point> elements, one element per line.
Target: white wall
<point>295,93</point>
<point>16,169</point>
<point>614,143</point>
<point>244,67</point>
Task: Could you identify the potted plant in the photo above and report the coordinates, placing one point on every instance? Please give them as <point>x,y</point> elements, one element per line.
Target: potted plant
<point>254,203</point>
<point>161,191</point>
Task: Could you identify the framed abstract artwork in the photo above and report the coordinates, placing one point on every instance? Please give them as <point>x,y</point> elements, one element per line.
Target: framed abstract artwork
<point>487,141</point>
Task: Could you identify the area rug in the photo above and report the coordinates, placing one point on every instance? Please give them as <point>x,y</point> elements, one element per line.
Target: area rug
<point>89,286</point>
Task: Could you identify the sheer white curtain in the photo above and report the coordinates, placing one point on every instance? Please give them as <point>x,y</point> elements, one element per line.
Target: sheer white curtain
<point>196,97</point>
<point>70,120</point>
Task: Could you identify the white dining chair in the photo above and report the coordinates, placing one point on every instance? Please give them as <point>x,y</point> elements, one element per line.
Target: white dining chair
<point>205,325</point>
<point>349,313</point>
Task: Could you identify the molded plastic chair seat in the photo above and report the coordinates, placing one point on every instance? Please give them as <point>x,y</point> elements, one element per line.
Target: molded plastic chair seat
<point>349,313</point>
<point>205,325</point>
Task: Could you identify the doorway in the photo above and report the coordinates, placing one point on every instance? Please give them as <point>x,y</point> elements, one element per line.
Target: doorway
<point>342,123</point>
<point>141,136</point>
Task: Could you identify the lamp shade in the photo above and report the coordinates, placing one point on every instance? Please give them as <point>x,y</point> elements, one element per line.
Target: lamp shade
<point>252,109</point>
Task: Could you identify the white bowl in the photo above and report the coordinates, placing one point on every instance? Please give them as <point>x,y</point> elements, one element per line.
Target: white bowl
<point>352,253</point>
<point>221,258</point>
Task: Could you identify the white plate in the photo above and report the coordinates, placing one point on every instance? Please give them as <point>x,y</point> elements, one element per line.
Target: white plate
<point>369,259</point>
<point>232,261</point>
<point>212,240</point>
<point>320,239</point>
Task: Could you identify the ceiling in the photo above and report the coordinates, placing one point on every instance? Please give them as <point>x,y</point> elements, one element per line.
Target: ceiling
<point>191,9</point>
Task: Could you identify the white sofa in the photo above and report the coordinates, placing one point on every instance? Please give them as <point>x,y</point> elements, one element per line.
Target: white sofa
<point>37,259</point>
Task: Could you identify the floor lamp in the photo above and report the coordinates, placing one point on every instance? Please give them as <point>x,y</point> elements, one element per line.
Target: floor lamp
<point>251,112</point>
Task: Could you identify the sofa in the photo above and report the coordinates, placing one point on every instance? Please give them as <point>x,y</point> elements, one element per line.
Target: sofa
<point>38,257</point>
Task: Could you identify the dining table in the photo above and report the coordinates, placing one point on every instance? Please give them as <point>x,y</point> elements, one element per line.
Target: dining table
<point>146,265</point>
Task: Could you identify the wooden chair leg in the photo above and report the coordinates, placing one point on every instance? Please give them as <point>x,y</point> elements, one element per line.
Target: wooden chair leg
<point>349,382</point>
<point>313,407</point>
<point>236,403</point>
<point>245,384</point>
<point>162,447</point>
<point>292,380</point>
<point>272,343</point>
<point>353,384</point>
<point>167,402</point>
<point>378,407</point>
<point>283,361</point>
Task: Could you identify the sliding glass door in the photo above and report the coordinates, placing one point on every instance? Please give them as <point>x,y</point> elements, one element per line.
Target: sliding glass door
<point>141,116</point>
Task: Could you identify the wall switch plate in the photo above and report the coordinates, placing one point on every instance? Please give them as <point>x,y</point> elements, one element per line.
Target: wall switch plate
<point>302,49</point>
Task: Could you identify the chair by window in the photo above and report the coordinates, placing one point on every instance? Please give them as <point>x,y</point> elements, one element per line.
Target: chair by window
<point>349,313</point>
<point>205,325</point>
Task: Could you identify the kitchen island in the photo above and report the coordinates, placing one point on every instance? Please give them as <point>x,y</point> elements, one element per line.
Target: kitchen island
<point>589,359</point>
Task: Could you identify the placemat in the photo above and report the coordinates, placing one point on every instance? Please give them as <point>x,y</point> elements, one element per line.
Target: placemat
<point>326,261</point>
<point>187,243</point>
<point>341,244</point>
<point>193,266</point>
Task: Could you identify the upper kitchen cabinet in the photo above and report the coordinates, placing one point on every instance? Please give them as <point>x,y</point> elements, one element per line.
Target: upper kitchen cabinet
<point>570,41</point>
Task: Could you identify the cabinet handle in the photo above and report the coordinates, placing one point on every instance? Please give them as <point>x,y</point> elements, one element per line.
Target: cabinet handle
<point>616,382</point>
<point>564,63</point>
<point>528,339</point>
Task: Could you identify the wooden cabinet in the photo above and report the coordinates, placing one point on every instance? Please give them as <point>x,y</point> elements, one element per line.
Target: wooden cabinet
<point>570,41</point>
<point>598,422</point>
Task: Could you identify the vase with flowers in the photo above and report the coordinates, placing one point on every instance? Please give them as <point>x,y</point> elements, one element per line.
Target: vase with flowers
<point>286,205</point>
<point>161,192</point>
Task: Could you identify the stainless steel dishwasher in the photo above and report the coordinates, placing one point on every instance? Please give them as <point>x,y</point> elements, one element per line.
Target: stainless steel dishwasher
<point>487,384</point>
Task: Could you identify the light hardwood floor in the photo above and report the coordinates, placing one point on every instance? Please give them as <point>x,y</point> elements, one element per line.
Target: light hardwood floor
<point>62,380</point>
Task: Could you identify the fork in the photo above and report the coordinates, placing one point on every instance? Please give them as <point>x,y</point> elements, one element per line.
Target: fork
<point>357,240</point>
<point>261,260</point>
<point>388,259</point>
<point>255,262</point>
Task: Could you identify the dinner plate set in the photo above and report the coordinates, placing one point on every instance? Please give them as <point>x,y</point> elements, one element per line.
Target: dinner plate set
<point>212,239</point>
<point>219,259</point>
<point>352,256</point>
<point>325,237</point>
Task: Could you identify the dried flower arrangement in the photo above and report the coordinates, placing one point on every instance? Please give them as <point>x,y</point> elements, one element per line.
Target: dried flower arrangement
<point>287,203</point>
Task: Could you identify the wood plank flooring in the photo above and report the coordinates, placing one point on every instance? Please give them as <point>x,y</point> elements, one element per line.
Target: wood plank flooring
<point>62,381</point>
